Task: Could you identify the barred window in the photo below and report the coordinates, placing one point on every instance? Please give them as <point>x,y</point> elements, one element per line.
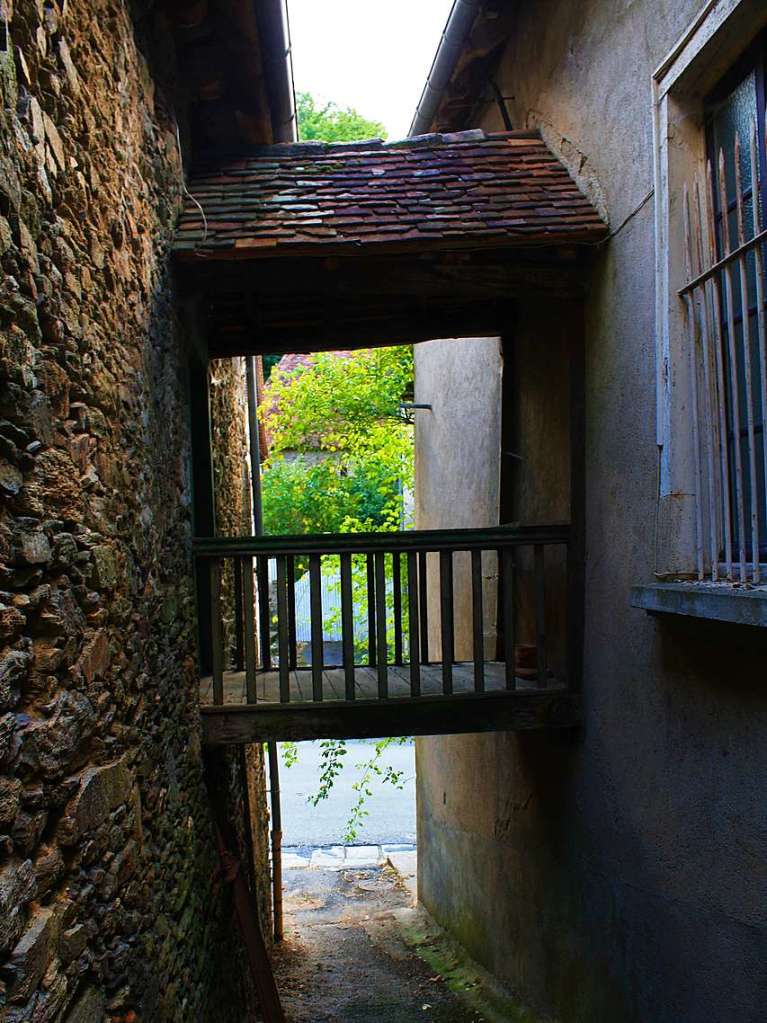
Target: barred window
<point>724,217</point>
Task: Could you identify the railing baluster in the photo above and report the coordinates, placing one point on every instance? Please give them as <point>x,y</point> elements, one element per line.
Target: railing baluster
<point>396,582</point>
<point>506,560</point>
<point>383,650</point>
<point>446,608</point>
<point>478,619</point>
<point>540,614</point>
<point>574,619</point>
<point>216,631</point>
<point>292,643</point>
<point>347,623</point>
<point>423,599</point>
<point>264,611</point>
<point>283,650</point>
<point>413,624</point>
<point>249,612</point>
<point>371,590</point>
<point>315,605</point>
<point>239,639</point>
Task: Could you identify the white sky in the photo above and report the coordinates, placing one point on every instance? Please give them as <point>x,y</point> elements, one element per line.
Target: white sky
<point>373,56</point>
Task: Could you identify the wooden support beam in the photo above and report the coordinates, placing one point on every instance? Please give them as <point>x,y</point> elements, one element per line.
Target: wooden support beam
<point>427,715</point>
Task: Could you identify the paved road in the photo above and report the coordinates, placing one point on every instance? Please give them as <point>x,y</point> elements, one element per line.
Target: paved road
<point>392,812</point>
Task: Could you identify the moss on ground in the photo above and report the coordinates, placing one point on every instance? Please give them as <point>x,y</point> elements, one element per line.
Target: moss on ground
<point>482,994</point>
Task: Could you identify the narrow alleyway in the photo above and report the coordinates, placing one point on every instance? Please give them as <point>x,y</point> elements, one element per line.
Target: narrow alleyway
<point>356,949</point>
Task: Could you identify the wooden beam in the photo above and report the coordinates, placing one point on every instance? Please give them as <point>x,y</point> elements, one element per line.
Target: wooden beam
<point>364,719</point>
<point>369,326</point>
<point>487,538</point>
<point>318,301</point>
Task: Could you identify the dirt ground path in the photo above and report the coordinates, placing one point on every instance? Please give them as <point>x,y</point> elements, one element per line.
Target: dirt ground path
<point>348,953</point>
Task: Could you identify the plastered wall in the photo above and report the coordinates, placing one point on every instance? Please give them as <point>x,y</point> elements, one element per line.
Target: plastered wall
<point>616,873</point>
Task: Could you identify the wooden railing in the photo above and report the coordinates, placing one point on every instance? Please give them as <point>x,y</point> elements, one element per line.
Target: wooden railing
<point>396,609</point>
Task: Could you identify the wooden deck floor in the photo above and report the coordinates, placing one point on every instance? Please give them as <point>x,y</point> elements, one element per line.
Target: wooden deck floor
<point>366,683</point>
<point>432,713</point>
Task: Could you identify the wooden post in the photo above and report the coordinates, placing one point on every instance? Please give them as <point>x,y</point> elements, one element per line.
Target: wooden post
<point>446,608</point>
<point>371,589</point>
<point>382,650</point>
<point>478,621</point>
<point>264,612</point>
<point>540,614</point>
<point>413,624</point>
<point>423,599</point>
<point>506,562</point>
<point>347,623</point>
<point>216,631</point>
<point>396,582</point>
<point>274,788</point>
<point>315,604</point>
<point>239,637</point>
<point>249,610</point>
<point>291,582</point>
<point>282,629</point>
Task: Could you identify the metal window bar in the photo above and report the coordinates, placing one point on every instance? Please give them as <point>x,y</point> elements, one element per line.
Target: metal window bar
<point>726,336</point>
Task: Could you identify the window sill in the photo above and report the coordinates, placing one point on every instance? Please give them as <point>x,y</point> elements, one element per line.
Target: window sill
<point>713,601</point>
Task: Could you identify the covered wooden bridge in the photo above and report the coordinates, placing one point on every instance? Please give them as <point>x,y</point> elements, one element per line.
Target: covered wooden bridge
<point>305,247</point>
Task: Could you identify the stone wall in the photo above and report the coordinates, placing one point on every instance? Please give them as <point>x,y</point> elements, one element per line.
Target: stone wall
<point>233,517</point>
<point>110,900</point>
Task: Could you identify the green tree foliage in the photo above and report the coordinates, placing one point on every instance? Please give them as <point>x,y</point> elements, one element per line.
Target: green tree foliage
<point>350,453</point>
<point>332,123</point>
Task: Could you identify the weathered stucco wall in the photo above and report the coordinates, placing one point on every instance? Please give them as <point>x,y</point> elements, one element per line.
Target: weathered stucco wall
<point>616,874</point>
<point>457,472</point>
<point>110,901</point>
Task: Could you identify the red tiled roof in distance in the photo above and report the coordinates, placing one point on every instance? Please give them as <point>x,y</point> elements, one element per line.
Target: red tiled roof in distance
<point>464,189</point>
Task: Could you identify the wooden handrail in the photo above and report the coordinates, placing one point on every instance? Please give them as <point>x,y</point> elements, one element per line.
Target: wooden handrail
<point>372,543</point>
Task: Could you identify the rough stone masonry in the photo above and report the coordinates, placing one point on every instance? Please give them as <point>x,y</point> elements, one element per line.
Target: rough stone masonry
<point>111,906</point>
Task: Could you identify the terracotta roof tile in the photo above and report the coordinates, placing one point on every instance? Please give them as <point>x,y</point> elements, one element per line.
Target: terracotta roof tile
<point>503,188</point>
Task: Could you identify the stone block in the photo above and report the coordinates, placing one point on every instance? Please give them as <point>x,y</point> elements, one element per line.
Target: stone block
<point>14,666</point>
<point>27,829</point>
<point>11,621</point>
<point>95,657</point>
<point>363,855</point>
<point>328,859</point>
<point>17,887</point>
<point>32,956</point>
<point>90,1007</point>
<point>104,567</point>
<point>30,547</point>
<point>72,942</point>
<point>10,791</point>
<point>49,868</point>
<point>11,478</point>
<point>102,789</point>
<point>292,861</point>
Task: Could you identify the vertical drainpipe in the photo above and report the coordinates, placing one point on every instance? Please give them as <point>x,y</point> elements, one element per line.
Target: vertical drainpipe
<point>258,530</point>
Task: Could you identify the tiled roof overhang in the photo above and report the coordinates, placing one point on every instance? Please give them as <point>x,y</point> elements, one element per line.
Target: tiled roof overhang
<point>464,190</point>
